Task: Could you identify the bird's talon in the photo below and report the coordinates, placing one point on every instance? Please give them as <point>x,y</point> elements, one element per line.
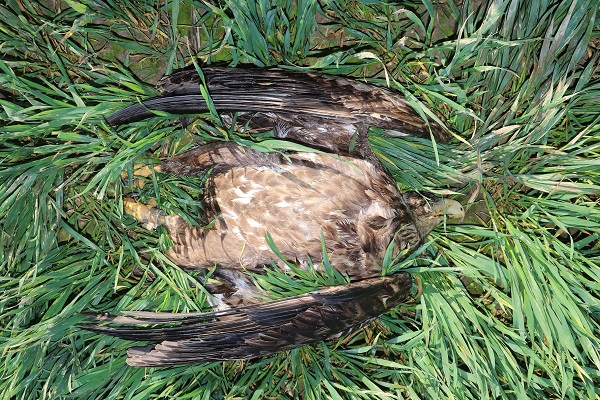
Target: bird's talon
<point>149,216</point>
<point>140,171</point>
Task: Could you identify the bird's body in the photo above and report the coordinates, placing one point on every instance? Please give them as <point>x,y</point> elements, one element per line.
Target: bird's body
<point>339,197</point>
<point>300,200</point>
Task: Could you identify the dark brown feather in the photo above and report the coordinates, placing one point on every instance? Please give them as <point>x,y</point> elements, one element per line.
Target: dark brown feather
<point>322,110</point>
<point>260,329</point>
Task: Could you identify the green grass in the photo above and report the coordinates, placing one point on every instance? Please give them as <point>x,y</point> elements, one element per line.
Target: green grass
<point>511,298</point>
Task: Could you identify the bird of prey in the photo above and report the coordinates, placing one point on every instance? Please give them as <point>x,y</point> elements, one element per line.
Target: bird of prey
<point>339,196</point>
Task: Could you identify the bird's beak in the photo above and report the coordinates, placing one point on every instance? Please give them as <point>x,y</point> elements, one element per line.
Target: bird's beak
<point>452,209</point>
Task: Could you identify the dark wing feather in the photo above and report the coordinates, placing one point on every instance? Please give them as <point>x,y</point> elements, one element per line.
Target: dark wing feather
<point>259,329</point>
<point>285,93</point>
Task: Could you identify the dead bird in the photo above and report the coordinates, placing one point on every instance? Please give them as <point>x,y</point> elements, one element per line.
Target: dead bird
<point>341,196</point>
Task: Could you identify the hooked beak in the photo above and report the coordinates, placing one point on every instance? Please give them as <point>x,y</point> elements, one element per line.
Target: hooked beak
<point>452,209</point>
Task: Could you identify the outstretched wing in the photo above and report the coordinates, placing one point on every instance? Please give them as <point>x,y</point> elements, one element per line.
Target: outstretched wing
<point>259,329</point>
<point>291,96</point>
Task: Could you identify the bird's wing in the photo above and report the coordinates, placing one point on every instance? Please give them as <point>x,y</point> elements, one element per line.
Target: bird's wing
<point>285,93</point>
<point>259,329</point>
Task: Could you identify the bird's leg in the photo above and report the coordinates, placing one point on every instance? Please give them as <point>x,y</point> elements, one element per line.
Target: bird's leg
<point>229,288</point>
<point>140,171</point>
<point>180,232</point>
<point>150,216</point>
<point>218,157</point>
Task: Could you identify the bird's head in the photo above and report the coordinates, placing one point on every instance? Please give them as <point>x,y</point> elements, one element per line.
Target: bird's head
<point>428,211</point>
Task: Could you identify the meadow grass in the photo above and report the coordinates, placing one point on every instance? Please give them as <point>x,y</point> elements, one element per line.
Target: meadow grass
<point>510,307</point>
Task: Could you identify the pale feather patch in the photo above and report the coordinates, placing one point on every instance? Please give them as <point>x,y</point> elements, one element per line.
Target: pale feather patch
<point>376,208</point>
<point>245,197</point>
<point>230,214</point>
<point>237,232</point>
<point>253,223</point>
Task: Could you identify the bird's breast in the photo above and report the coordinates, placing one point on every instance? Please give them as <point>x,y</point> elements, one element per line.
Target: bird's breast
<point>313,196</point>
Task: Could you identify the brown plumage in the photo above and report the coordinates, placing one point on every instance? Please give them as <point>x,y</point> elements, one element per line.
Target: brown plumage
<point>299,199</point>
<point>259,329</point>
<point>345,199</point>
<point>322,111</point>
